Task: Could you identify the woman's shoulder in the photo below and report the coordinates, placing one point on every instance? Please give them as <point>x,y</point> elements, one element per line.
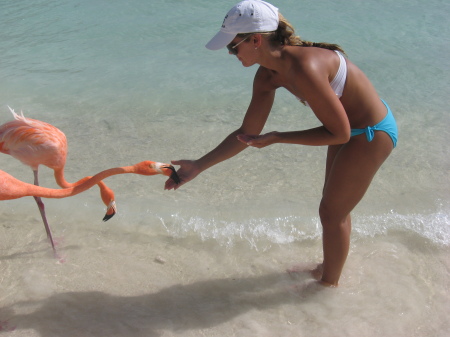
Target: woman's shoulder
<point>264,73</point>
<point>265,79</point>
<point>310,57</point>
<point>312,62</point>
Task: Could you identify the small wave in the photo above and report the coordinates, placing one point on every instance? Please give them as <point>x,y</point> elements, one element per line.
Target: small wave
<point>282,230</point>
<point>433,226</point>
<point>279,230</point>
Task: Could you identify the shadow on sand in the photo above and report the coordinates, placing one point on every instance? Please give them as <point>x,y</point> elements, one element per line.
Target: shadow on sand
<point>199,305</point>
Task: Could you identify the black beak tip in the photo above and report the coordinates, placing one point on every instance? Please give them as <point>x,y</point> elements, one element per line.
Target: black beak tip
<point>174,176</point>
<point>108,216</point>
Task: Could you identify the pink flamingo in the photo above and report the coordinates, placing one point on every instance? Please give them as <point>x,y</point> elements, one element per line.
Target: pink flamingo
<point>12,188</point>
<point>37,143</point>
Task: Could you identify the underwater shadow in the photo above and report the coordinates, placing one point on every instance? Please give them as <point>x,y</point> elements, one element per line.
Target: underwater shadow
<point>198,305</point>
<point>31,253</point>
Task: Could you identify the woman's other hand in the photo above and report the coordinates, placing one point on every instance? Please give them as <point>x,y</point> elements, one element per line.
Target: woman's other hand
<point>259,141</point>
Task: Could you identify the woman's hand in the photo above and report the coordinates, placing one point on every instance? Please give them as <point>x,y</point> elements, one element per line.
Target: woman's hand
<point>259,141</point>
<point>188,170</point>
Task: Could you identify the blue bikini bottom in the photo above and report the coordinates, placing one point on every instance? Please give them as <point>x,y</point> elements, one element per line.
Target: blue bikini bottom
<point>387,125</point>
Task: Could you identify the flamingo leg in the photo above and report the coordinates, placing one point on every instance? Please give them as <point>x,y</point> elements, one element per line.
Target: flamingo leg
<point>41,207</point>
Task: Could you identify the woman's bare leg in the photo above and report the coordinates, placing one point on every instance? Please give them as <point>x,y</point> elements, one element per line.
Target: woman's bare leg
<point>350,170</point>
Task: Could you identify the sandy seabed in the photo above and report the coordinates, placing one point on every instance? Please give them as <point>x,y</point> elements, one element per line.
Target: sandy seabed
<point>109,280</point>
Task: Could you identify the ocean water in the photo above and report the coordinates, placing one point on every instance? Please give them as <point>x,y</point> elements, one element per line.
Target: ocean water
<point>128,81</point>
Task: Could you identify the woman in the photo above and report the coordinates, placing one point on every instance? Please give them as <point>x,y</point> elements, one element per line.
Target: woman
<point>357,126</point>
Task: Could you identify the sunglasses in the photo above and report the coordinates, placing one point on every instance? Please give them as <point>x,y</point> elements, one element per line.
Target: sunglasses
<point>232,47</point>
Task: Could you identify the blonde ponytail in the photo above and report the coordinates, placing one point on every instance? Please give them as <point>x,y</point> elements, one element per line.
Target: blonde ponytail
<point>285,36</point>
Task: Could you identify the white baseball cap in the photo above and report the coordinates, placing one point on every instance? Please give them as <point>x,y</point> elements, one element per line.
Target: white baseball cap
<point>248,16</point>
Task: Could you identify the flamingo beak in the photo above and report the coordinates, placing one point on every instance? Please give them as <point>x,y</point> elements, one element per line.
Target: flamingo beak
<point>108,216</point>
<point>111,211</point>
<point>174,176</point>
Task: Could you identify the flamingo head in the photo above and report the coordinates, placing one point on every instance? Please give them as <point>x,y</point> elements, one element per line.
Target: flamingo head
<point>149,168</point>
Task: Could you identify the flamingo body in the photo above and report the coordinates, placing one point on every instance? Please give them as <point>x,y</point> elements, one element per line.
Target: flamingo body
<point>35,143</point>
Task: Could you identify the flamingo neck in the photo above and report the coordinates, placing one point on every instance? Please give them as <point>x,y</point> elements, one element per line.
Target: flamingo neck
<point>66,192</point>
<point>61,180</point>
<point>99,177</point>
